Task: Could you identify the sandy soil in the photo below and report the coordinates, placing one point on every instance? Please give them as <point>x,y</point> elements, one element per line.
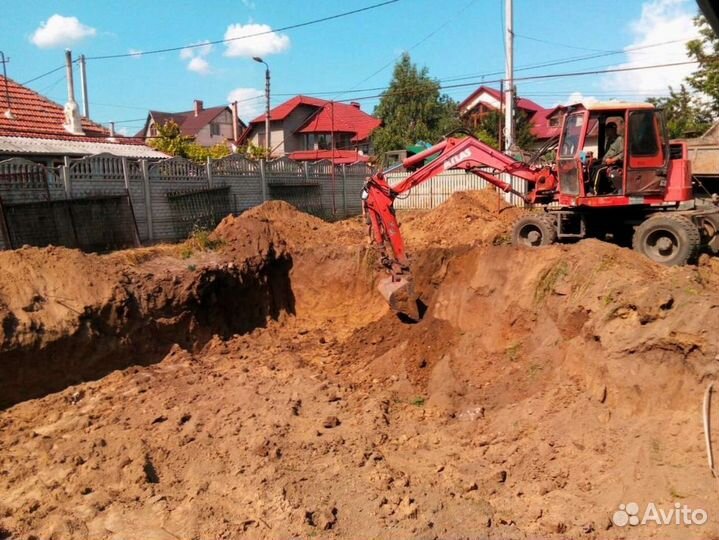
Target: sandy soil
<point>263,390</point>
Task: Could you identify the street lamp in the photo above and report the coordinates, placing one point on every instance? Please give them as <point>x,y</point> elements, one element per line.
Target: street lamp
<point>267,104</point>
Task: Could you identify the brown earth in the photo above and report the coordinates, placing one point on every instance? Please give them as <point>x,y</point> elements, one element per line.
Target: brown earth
<point>264,390</point>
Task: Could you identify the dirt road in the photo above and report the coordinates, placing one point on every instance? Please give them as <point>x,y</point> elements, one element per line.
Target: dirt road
<point>263,389</point>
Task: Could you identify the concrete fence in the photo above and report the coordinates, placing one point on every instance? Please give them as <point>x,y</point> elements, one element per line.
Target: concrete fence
<point>167,197</point>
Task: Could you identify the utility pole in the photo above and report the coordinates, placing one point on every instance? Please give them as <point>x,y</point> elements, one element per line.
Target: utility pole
<point>509,76</point>
<point>267,104</point>
<point>83,88</point>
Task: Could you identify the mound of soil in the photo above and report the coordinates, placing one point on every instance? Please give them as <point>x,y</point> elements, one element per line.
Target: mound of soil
<point>471,217</point>
<point>541,389</point>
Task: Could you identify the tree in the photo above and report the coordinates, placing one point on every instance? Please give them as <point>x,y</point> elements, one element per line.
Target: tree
<point>170,140</point>
<point>705,50</point>
<point>488,129</point>
<point>684,113</point>
<point>412,109</point>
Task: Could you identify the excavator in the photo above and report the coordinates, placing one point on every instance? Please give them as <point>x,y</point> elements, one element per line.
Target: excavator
<point>644,197</point>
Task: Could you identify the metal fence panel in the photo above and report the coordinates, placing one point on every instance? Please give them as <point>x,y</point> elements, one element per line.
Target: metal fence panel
<point>202,209</point>
<point>172,175</point>
<point>243,177</point>
<point>90,223</point>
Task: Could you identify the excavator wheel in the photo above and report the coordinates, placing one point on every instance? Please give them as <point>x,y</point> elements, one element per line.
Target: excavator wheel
<point>534,230</point>
<point>668,239</point>
<point>709,229</point>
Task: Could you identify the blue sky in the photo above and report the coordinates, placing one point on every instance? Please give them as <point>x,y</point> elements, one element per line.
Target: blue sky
<point>453,38</point>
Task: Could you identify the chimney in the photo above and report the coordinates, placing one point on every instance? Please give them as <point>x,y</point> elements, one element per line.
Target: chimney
<point>198,106</point>
<point>355,104</point>
<point>235,122</point>
<point>72,113</point>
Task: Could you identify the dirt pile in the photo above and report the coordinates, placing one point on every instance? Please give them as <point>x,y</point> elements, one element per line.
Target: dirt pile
<point>541,390</point>
<point>68,316</point>
<point>472,218</point>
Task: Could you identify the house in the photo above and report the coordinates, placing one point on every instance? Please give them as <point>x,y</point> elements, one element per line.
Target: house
<point>38,129</point>
<point>546,123</point>
<point>303,128</point>
<point>207,126</point>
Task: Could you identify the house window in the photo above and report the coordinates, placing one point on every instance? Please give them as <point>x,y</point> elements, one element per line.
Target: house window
<point>214,129</point>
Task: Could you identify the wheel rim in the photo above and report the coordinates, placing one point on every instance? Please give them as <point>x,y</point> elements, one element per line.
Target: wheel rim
<point>530,235</point>
<point>662,245</point>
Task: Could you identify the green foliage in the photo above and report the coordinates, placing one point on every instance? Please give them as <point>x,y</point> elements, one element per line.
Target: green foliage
<point>255,152</point>
<point>689,113</point>
<point>200,240</point>
<point>412,109</point>
<point>685,114</point>
<point>488,129</point>
<point>418,401</point>
<point>705,50</point>
<point>170,140</point>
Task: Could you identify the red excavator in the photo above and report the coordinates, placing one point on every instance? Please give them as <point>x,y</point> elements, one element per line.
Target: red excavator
<point>643,197</point>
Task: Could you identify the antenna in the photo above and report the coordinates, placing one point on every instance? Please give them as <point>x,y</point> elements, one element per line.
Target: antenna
<point>8,114</point>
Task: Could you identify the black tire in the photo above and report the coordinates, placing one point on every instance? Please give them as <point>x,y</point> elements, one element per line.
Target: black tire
<point>534,230</point>
<point>709,229</point>
<point>668,239</point>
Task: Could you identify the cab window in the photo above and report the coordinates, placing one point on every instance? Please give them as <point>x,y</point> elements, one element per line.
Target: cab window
<point>643,134</point>
<point>571,135</point>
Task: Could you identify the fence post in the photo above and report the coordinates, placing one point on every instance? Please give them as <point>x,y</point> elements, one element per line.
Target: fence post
<point>148,199</point>
<point>126,174</point>
<point>263,180</point>
<point>208,165</point>
<point>344,190</point>
<point>66,177</point>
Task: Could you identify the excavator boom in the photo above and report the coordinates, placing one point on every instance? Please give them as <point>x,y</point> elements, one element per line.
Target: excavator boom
<point>466,153</point>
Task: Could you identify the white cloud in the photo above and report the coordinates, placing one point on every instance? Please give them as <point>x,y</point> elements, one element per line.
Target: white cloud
<point>199,65</point>
<point>135,53</point>
<point>266,44</point>
<point>578,97</point>
<point>659,22</point>
<point>249,4</point>
<point>197,57</point>
<point>249,102</point>
<point>60,31</point>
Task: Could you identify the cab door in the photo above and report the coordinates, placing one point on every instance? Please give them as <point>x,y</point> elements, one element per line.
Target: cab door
<point>646,153</point>
<point>569,166</point>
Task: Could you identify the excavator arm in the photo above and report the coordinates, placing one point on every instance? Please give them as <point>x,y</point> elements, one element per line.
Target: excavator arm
<point>467,154</point>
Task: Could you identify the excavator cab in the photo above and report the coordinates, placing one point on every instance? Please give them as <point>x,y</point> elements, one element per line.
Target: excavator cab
<point>587,177</point>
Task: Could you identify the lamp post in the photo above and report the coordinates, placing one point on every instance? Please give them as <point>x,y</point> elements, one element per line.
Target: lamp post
<point>267,103</point>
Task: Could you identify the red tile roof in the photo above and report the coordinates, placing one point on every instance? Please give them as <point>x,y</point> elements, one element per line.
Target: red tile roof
<point>540,123</point>
<point>340,156</point>
<point>283,111</point>
<point>522,103</point>
<point>37,117</point>
<point>343,118</point>
<point>347,118</point>
<point>190,124</point>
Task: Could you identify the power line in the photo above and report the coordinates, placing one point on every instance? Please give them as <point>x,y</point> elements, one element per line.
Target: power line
<point>256,34</point>
<point>425,38</point>
<point>44,75</point>
<point>530,38</point>
<point>536,77</point>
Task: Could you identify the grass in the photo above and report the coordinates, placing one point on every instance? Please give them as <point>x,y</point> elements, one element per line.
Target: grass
<point>513,351</point>
<point>418,401</point>
<point>549,280</point>
<point>534,370</point>
<point>200,240</point>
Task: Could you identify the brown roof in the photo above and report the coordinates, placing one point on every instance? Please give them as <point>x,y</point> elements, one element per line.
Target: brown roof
<point>190,124</point>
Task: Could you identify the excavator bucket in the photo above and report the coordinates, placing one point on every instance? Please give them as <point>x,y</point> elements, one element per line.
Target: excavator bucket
<point>400,296</point>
